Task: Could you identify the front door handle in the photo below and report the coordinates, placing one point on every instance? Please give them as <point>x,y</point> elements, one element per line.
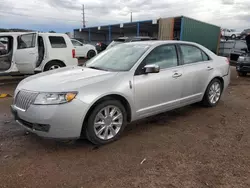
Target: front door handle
<point>176,75</point>
<point>210,68</point>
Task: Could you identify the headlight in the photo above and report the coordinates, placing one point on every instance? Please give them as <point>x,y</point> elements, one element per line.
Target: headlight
<point>54,98</point>
<point>241,59</point>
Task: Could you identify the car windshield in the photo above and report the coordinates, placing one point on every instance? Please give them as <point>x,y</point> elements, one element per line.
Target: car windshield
<point>115,42</point>
<point>119,58</point>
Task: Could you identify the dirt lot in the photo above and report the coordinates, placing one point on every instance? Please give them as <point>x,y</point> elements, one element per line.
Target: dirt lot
<point>189,147</point>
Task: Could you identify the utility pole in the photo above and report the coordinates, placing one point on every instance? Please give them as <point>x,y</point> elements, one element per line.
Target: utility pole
<point>83,17</point>
<point>131,17</point>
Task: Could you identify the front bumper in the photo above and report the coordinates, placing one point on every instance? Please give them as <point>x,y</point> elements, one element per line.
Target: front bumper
<point>62,121</point>
<point>243,67</point>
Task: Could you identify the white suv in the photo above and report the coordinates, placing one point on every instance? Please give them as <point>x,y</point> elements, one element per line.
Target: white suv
<point>29,53</point>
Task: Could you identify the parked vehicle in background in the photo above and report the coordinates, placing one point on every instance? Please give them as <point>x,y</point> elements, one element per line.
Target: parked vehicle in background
<point>230,33</point>
<point>232,49</point>
<point>128,82</point>
<point>121,40</point>
<point>100,46</point>
<point>28,53</point>
<point>4,41</point>
<point>84,50</point>
<point>244,33</point>
<point>243,64</point>
<point>2,49</point>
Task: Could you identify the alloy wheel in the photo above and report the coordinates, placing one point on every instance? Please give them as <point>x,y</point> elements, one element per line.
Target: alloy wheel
<point>214,93</point>
<point>108,122</point>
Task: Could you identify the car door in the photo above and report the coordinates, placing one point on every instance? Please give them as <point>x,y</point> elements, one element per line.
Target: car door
<point>26,55</point>
<point>158,92</point>
<point>197,69</point>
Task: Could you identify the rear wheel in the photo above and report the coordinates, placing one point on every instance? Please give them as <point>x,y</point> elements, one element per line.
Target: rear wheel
<point>106,122</point>
<point>213,93</point>
<point>241,73</point>
<point>91,54</point>
<point>53,65</point>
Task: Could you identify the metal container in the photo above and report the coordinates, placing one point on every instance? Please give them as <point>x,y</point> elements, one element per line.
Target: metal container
<point>200,32</point>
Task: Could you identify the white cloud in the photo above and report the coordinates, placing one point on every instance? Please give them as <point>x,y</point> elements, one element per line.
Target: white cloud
<point>225,13</point>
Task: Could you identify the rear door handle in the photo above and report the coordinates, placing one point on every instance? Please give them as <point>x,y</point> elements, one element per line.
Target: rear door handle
<point>210,68</point>
<point>176,75</point>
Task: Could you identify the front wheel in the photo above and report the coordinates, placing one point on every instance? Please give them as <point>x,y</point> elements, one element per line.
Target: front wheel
<point>106,122</point>
<point>213,93</point>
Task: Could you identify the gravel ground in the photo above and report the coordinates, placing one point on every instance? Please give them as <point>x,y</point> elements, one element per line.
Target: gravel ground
<point>189,147</point>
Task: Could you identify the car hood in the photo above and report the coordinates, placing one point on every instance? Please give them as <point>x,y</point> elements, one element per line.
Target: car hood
<point>64,79</point>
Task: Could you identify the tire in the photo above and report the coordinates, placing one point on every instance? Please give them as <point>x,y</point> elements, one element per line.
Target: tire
<point>102,126</point>
<point>211,90</point>
<point>233,36</point>
<point>241,73</point>
<point>53,65</point>
<point>91,54</point>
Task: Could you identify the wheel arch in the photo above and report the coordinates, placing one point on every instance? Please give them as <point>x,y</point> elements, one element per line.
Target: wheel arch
<point>118,97</point>
<point>54,60</point>
<point>215,77</point>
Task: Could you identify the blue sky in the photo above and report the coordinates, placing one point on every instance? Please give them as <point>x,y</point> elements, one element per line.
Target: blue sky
<point>65,15</point>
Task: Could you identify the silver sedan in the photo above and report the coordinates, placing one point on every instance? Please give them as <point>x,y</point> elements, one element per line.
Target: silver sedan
<point>128,82</point>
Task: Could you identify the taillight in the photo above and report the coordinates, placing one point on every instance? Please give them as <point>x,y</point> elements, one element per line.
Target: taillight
<point>73,53</point>
<point>98,44</point>
<point>227,60</point>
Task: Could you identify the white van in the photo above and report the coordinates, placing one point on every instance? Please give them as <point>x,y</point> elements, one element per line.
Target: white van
<point>29,53</point>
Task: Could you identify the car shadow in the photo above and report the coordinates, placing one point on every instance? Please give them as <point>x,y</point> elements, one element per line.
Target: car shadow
<point>133,129</point>
<point>163,119</point>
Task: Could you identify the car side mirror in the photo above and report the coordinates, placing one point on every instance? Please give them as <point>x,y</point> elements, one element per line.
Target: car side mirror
<point>151,69</point>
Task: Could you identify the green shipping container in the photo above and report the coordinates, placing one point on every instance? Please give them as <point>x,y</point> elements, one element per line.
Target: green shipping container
<point>202,33</point>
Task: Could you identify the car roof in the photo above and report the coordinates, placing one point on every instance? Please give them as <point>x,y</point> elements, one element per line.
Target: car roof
<point>135,37</point>
<point>53,34</point>
<point>21,33</point>
<point>12,33</point>
<point>159,42</point>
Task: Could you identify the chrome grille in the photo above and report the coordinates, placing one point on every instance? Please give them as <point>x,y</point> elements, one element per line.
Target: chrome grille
<point>24,99</point>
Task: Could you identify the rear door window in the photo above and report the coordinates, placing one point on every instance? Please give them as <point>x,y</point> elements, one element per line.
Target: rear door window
<point>205,56</point>
<point>191,54</point>
<point>57,42</point>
